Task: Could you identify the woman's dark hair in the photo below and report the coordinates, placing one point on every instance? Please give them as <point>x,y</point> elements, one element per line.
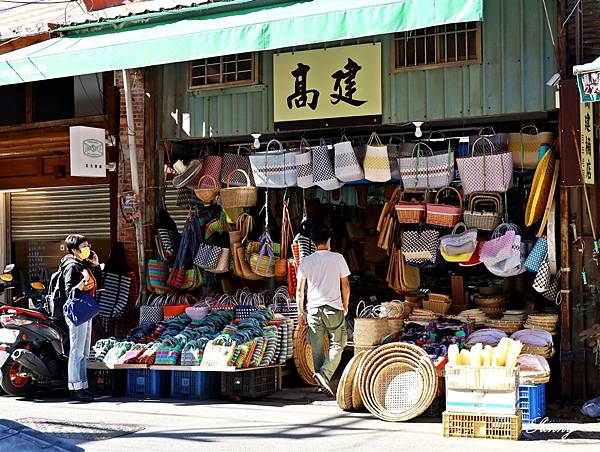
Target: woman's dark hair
<point>319,234</point>
<point>73,241</point>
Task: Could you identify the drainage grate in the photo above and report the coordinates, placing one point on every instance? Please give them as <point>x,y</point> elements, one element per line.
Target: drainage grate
<point>79,432</point>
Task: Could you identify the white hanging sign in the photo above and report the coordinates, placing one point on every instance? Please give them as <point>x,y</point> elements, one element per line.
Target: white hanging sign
<point>88,151</point>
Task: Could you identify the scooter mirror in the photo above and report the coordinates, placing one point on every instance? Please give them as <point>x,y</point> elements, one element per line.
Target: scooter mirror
<point>6,277</point>
<point>36,285</point>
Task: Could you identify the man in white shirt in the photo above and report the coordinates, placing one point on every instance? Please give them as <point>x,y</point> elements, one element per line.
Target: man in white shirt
<point>326,275</point>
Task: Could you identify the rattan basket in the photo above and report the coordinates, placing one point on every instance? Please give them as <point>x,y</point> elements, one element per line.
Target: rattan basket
<point>344,389</point>
<point>413,211</point>
<point>303,354</point>
<point>437,306</point>
<point>443,214</point>
<point>489,301</point>
<point>484,218</point>
<point>239,196</point>
<point>207,195</point>
<point>398,382</point>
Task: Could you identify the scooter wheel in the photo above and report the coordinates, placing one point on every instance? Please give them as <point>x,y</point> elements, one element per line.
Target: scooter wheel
<point>12,382</point>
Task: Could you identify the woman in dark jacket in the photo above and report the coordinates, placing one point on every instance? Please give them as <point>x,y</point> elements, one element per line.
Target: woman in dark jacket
<point>80,269</point>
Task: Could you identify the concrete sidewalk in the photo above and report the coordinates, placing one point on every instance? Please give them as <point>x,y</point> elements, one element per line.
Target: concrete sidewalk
<point>290,420</point>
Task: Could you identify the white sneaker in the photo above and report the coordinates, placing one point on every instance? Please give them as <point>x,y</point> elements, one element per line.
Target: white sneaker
<point>320,379</point>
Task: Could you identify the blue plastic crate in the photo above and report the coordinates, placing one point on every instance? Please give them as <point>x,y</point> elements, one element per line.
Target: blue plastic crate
<point>191,385</point>
<point>532,403</point>
<point>148,383</point>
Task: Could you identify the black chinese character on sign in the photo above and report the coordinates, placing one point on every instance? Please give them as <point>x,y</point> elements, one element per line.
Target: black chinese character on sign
<point>346,93</point>
<point>588,127</point>
<point>300,95</point>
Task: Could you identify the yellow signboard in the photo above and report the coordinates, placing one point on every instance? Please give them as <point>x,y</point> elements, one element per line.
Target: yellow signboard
<point>587,141</point>
<point>336,82</point>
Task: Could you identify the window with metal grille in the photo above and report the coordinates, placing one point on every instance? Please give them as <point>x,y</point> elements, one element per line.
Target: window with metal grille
<point>444,45</point>
<point>228,70</point>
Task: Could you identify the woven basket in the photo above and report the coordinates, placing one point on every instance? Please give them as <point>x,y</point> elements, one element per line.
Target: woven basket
<point>398,382</point>
<point>395,324</point>
<point>489,301</point>
<point>413,211</point>
<point>238,196</point>
<point>439,307</point>
<point>478,217</point>
<point>303,354</point>
<point>344,389</point>
<point>442,214</point>
<point>370,331</point>
<point>364,348</point>
<point>493,312</point>
<point>207,195</point>
<point>525,147</point>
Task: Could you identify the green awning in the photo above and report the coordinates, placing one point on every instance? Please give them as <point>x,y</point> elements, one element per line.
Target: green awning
<point>249,28</point>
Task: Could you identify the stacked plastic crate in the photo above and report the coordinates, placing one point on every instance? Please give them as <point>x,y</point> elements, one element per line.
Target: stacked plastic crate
<point>482,402</point>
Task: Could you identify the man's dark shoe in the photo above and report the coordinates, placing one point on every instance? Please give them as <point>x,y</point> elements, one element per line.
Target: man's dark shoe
<point>83,395</point>
<point>322,382</point>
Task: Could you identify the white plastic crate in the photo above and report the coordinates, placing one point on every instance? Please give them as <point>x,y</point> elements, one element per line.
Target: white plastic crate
<point>482,378</point>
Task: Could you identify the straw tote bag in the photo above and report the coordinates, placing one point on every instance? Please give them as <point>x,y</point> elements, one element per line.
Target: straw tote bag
<point>525,147</point>
<point>274,168</point>
<point>488,172</point>
<point>377,162</point>
<point>304,166</point>
<point>347,168</point>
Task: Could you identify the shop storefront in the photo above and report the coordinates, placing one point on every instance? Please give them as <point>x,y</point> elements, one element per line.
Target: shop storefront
<point>392,135</point>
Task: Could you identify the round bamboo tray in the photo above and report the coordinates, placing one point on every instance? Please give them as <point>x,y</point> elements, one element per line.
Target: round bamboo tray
<point>364,348</point>
<point>303,354</point>
<point>398,389</point>
<point>398,382</point>
<point>489,301</point>
<point>357,403</point>
<point>344,389</point>
<point>493,312</point>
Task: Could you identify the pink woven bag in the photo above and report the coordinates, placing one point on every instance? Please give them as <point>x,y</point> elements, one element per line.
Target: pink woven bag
<point>500,246</point>
<point>489,172</point>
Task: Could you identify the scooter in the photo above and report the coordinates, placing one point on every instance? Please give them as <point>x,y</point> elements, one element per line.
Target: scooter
<point>34,349</point>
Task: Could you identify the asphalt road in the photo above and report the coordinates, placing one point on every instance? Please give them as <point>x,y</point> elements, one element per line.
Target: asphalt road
<point>291,420</point>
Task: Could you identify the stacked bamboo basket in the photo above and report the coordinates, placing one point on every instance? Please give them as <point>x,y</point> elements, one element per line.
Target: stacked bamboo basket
<point>395,382</point>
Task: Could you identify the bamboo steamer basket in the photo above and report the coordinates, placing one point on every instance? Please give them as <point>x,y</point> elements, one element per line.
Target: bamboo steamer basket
<point>370,331</point>
<point>344,389</point>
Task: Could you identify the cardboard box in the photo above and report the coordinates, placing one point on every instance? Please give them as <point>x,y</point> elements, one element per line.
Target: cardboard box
<point>481,402</point>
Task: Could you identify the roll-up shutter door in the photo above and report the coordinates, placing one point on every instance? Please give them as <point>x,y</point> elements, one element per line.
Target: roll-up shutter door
<point>179,214</point>
<point>53,213</point>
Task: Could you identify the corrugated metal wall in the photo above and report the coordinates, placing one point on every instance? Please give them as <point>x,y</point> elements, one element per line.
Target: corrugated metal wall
<point>518,59</point>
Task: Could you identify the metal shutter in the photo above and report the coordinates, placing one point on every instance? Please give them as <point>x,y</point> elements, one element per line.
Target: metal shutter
<point>179,214</point>
<point>54,213</point>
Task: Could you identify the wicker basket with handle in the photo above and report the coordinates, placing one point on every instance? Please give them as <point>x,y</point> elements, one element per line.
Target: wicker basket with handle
<point>484,211</point>
<point>207,195</point>
<point>238,196</point>
<point>443,214</point>
<point>413,210</point>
